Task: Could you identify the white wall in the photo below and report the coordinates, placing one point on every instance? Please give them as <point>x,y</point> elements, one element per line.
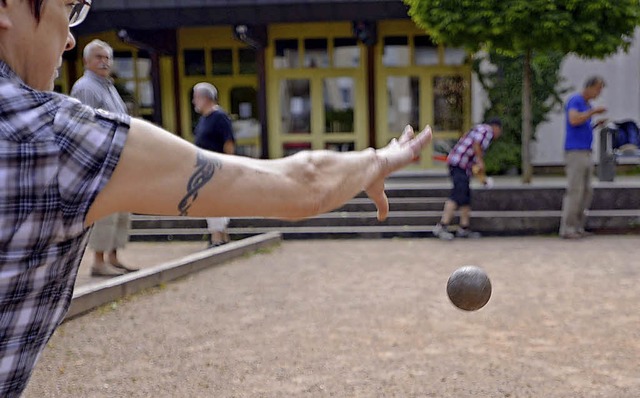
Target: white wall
<point>621,96</point>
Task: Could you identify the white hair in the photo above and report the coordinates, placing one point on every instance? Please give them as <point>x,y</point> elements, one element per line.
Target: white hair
<point>96,43</point>
<point>206,89</point>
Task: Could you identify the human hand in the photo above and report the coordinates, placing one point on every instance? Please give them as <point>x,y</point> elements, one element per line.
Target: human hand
<point>598,110</point>
<point>398,154</point>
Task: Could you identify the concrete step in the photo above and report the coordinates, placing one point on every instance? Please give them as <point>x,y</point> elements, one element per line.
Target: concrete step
<point>404,224</point>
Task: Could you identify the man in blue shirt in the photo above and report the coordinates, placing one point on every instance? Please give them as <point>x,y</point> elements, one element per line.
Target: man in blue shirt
<point>579,166</point>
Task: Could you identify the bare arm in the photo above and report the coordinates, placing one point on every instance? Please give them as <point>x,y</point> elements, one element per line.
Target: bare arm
<point>477,150</point>
<point>159,173</point>
<point>577,118</point>
<point>229,147</point>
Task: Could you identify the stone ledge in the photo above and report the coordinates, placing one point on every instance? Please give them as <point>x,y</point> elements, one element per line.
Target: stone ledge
<point>88,297</point>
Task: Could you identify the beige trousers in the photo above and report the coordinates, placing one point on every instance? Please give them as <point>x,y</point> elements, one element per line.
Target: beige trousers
<point>217,224</point>
<point>110,233</point>
<point>577,198</point>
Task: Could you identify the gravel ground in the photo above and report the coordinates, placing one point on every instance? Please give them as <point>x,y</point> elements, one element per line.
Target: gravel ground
<point>368,319</point>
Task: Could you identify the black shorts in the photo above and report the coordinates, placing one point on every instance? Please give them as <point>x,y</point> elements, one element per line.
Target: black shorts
<point>461,193</point>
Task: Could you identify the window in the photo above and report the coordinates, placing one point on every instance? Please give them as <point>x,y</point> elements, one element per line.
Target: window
<point>247,61</point>
<point>194,63</point>
<point>426,51</point>
<point>338,104</point>
<point>316,53</point>
<point>404,103</point>
<point>286,54</point>
<point>396,51</point>
<point>295,106</point>
<point>222,62</point>
<point>346,53</point>
<point>448,99</point>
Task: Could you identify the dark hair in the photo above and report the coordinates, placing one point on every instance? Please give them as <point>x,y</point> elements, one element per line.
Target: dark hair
<point>36,7</point>
<point>593,80</point>
<point>495,121</point>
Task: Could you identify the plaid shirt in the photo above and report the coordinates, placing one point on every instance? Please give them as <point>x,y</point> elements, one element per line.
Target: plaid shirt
<point>55,157</point>
<point>462,154</point>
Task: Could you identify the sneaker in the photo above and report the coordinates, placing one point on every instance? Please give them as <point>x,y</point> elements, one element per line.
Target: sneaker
<point>106,269</point>
<point>440,232</point>
<point>125,268</point>
<point>466,233</point>
<point>572,236</point>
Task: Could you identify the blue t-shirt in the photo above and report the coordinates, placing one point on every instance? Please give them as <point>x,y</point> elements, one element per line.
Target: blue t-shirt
<point>578,137</point>
<point>213,130</point>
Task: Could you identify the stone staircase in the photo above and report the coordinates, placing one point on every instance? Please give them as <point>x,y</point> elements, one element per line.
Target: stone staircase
<point>416,206</point>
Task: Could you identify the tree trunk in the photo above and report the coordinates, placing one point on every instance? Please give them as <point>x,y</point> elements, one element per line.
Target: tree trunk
<point>527,122</point>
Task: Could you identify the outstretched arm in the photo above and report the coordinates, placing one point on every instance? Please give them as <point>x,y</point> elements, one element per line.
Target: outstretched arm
<point>159,173</point>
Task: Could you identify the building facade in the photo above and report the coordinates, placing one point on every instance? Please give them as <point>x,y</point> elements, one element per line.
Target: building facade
<point>294,75</point>
<point>310,74</point>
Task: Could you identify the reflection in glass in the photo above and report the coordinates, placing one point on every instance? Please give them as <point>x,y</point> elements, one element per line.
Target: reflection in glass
<point>143,65</point>
<point>244,101</point>
<point>123,64</point>
<point>295,106</point>
<point>346,53</point>
<point>338,104</point>
<point>340,146</point>
<point>247,61</point>
<point>396,51</point>
<point>145,92</point>
<point>222,62</point>
<point>404,103</point>
<point>246,126</point>
<point>454,56</point>
<point>426,51</point>
<point>194,64</point>
<point>448,103</point>
<point>286,54</point>
<point>291,148</point>
<point>316,54</point>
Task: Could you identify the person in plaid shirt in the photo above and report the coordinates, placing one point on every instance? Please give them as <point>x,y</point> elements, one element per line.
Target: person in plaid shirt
<point>466,155</point>
<point>64,165</point>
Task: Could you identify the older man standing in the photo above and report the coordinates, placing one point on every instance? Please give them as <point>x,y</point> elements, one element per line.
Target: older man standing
<point>579,165</point>
<point>214,132</point>
<point>95,88</point>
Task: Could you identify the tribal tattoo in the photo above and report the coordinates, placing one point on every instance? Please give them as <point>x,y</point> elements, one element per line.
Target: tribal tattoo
<point>205,169</point>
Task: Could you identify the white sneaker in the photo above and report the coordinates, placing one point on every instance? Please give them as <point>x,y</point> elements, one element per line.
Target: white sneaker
<point>441,232</point>
<point>106,269</point>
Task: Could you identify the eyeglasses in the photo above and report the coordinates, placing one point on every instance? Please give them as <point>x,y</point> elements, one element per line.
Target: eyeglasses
<point>79,11</point>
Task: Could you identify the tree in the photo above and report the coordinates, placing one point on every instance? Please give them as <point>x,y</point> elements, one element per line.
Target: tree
<point>588,28</point>
<point>503,84</point>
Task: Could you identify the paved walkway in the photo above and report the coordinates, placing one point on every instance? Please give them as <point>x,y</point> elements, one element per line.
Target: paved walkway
<point>141,255</point>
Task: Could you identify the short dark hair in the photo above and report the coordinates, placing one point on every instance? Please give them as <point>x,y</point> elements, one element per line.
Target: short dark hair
<point>36,7</point>
<point>593,80</point>
<point>494,121</point>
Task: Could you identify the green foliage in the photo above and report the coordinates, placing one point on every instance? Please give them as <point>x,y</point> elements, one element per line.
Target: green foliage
<point>591,28</point>
<point>503,85</point>
<point>588,28</point>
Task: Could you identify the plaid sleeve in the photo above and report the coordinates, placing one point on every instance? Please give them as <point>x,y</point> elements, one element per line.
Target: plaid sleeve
<point>91,142</point>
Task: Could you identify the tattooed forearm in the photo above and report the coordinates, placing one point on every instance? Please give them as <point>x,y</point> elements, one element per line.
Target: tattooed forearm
<point>205,168</point>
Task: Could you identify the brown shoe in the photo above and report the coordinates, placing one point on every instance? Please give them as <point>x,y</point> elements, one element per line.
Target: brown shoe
<point>125,268</point>
<point>106,269</point>
<point>572,235</point>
